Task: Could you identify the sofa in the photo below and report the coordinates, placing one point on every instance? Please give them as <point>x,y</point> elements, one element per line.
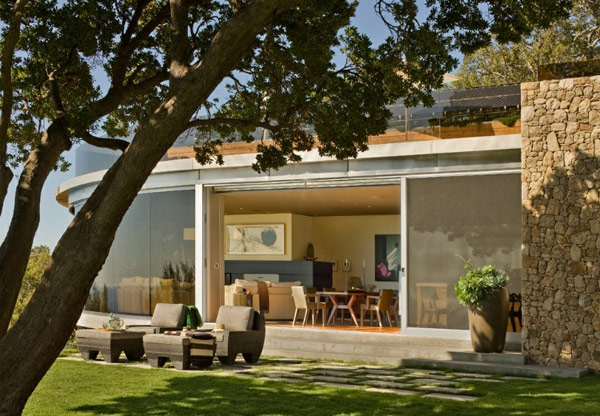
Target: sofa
<point>281,303</point>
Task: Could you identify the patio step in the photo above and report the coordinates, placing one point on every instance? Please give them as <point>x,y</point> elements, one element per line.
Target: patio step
<point>355,346</point>
<point>507,357</point>
<point>499,368</point>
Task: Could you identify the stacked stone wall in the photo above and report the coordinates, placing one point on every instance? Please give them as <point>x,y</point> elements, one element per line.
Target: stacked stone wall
<point>561,221</point>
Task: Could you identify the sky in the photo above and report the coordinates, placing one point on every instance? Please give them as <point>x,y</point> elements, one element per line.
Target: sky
<point>55,218</point>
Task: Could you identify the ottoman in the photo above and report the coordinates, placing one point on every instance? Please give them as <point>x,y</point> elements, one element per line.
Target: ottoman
<point>181,349</point>
<point>110,344</point>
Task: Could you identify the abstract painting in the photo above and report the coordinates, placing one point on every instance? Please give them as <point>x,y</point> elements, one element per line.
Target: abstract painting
<point>255,239</point>
<point>387,257</point>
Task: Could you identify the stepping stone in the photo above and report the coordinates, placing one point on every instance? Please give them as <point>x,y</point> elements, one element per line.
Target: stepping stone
<point>442,389</point>
<point>339,385</point>
<point>486,380</point>
<point>334,373</point>
<point>432,376</point>
<point>286,380</point>
<point>282,374</point>
<point>329,379</point>
<point>284,368</point>
<point>386,384</point>
<point>380,377</point>
<point>392,391</point>
<point>432,381</point>
<point>472,375</point>
<point>336,368</point>
<point>522,378</point>
<point>338,365</point>
<point>384,372</point>
<point>420,370</point>
<point>451,397</point>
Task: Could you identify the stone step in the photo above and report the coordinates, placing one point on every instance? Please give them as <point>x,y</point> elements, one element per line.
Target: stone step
<point>499,368</point>
<point>507,357</point>
<point>299,348</point>
<point>369,338</point>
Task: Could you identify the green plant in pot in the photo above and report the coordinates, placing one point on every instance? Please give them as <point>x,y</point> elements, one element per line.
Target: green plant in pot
<point>483,291</point>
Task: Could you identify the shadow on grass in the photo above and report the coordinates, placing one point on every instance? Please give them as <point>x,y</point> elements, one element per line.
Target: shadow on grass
<point>207,394</point>
<point>83,388</point>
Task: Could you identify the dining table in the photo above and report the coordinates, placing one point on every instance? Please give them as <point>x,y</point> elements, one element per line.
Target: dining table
<point>343,300</point>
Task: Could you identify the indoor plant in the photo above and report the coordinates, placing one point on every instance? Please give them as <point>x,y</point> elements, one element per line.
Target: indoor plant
<point>483,291</point>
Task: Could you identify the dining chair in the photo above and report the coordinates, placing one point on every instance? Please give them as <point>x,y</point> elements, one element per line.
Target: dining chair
<point>302,300</point>
<point>379,304</point>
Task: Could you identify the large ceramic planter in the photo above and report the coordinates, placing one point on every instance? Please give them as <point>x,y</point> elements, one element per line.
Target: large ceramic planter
<point>488,320</point>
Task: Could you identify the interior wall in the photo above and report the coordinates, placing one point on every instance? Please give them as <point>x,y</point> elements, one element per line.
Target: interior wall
<point>301,235</point>
<point>353,238</point>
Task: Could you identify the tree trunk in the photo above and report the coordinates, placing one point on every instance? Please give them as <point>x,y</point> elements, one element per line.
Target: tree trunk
<point>54,309</point>
<point>14,251</point>
<point>6,176</point>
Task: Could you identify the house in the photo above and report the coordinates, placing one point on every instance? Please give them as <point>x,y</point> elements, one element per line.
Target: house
<point>471,177</point>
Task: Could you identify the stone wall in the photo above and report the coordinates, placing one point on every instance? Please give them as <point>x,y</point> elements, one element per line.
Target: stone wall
<point>561,221</point>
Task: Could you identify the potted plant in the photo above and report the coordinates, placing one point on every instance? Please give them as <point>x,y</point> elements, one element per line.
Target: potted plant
<point>483,291</point>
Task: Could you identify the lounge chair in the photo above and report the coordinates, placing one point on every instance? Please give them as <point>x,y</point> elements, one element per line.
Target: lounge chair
<point>243,332</point>
<point>166,317</point>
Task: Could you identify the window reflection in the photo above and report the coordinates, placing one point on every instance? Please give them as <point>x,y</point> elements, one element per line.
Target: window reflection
<point>152,258</point>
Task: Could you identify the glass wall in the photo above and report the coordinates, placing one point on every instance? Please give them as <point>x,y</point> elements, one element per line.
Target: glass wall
<point>152,258</point>
<point>474,217</point>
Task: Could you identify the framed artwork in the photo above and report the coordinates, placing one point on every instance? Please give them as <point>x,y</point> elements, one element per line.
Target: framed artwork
<point>254,239</point>
<point>387,257</point>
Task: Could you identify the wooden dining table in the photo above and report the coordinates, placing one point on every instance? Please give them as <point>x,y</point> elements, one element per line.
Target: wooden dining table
<point>343,300</point>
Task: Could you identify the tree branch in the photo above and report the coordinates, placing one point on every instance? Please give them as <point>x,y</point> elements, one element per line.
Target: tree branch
<point>179,48</point>
<point>234,122</point>
<point>129,45</point>
<point>107,143</point>
<point>8,52</point>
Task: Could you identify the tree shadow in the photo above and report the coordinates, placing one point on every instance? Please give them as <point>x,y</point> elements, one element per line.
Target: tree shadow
<point>561,251</point>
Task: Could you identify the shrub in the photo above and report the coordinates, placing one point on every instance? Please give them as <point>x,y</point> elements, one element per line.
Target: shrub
<point>473,286</point>
<point>38,261</point>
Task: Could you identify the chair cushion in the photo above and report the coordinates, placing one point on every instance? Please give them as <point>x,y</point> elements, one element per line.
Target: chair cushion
<point>169,315</point>
<point>236,318</point>
<point>166,339</point>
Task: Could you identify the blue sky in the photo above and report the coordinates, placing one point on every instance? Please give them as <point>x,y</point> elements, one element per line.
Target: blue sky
<point>55,218</point>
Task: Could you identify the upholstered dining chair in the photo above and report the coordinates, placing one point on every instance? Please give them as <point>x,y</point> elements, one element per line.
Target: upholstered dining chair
<point>379,304</point>
<point>308,302</point>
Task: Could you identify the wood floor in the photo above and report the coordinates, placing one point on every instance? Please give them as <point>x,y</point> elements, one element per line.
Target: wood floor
<point>338,327</point>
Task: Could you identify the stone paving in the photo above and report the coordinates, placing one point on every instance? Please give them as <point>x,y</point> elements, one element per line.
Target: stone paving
<point>401,381</point>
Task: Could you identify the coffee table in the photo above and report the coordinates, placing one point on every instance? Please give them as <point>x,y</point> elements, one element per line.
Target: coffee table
<point>181,349</point>
<point>110,343</point>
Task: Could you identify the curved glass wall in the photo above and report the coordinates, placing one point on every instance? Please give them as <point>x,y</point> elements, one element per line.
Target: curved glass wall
<point>152,258</point>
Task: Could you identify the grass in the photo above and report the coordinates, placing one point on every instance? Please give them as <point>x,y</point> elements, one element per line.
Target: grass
<point>81,388</point>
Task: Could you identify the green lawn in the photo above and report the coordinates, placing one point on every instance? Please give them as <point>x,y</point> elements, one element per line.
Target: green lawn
<point>72,387</point>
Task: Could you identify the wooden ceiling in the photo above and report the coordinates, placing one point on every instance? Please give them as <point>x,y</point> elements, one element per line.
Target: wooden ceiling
<point>371,200</point>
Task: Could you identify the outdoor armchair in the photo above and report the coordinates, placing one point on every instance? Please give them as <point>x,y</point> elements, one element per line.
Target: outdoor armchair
<point>166,317</point>
<point>243,331</point>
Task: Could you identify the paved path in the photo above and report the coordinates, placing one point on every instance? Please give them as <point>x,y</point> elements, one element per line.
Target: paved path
<point>379,379</point>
